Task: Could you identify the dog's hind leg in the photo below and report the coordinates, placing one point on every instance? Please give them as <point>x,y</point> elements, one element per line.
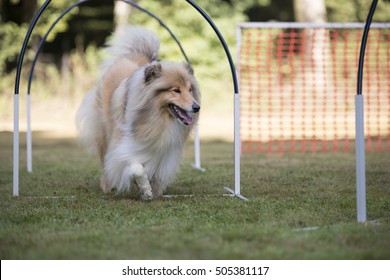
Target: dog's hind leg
<point>141,179</point>
<point>105,186</point>
<point>102,148</point>
<point>157,188</point>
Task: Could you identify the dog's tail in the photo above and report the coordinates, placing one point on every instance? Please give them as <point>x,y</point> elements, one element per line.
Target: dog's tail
<point>131,40</point>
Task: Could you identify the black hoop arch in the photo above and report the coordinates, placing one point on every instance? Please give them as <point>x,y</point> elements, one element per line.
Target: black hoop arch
<point>35,19</point>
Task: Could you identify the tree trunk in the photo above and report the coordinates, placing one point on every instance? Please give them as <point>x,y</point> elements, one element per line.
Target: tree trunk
<point>310,10</point>
<point>316,39</point>
<point>121,14</point>
<point>28,10</point>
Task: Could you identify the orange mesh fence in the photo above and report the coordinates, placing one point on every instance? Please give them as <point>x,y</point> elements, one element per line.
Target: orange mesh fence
<point>298,82</point>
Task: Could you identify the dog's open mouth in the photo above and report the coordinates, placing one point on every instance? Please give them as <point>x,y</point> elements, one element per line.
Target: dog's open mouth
<point>180,114</point>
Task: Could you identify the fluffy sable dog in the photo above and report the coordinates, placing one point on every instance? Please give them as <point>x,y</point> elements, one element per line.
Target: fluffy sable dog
<point>139,115</point>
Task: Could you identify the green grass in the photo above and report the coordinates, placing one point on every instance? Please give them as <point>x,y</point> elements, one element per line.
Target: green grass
<point>62,214</point>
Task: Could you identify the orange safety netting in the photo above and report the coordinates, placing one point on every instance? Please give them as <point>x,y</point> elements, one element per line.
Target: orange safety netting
<point>297,88</point>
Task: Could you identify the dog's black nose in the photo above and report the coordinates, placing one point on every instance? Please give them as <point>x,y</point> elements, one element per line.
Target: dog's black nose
<point>195,107</point>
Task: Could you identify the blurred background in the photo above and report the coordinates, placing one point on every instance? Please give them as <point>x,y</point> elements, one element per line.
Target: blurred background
<point>68,65</point>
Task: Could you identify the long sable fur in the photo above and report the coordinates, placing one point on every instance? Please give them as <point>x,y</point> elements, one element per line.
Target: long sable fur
<point>136,116</point>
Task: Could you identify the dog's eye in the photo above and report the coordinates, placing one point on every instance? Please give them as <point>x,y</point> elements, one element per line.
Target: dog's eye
<point>177,90</point>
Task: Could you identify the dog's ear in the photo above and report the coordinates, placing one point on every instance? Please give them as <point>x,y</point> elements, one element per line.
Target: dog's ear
<point>152,72</point>
<point>189,68</point>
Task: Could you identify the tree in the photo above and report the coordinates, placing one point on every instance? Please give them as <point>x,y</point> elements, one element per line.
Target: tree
<point>121,14</point>
<point>310,10</point>
<point>317,42</point>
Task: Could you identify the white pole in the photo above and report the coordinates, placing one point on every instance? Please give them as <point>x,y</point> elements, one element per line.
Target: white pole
<point>16,147</point>
<point>237,146</point>
<point>237,150</point>
<point>196,148</point>
<point>29,136</point>
<point>196,164</point>
<point>360,160</point>
<point>237,141</point>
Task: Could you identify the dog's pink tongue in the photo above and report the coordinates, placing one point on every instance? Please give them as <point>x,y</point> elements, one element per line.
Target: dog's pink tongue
<point>184,115</point>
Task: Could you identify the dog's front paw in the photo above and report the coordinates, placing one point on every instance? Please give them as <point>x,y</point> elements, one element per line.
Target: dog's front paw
<point>147,195</point>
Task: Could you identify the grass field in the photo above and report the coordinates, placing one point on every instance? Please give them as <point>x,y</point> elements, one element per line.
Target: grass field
<point>300,207</point>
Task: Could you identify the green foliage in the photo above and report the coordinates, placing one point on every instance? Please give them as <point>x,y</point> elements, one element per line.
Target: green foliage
<point>11,39</point>
<point>194,33</point>
<point>12,34</point>
<point>356,10</point>
<point>198,39</point>
<point>50,15</point>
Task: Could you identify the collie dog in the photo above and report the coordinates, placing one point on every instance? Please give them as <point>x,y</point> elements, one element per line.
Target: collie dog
<point>139,114</point>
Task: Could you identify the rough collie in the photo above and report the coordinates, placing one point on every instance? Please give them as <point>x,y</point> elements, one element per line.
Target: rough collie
<point>139,115</point>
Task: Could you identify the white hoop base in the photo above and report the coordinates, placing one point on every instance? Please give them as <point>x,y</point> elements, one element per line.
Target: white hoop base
<point>233,194</point>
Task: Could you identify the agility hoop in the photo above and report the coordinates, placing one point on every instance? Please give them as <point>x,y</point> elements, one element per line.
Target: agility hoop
<point>16,132</point>
<point>359,118</point>
<point>237,148</point>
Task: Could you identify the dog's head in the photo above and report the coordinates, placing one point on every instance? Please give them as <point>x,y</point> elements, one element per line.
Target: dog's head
<point>175,90</point>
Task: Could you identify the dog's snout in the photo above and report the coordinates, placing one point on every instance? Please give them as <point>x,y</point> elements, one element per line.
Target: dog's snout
<point>195,107</point>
